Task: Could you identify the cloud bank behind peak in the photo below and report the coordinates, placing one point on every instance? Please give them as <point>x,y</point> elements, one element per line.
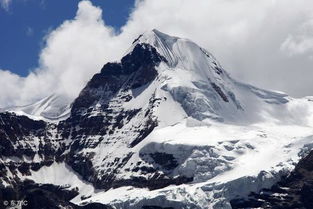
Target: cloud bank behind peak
<point>264,42</point>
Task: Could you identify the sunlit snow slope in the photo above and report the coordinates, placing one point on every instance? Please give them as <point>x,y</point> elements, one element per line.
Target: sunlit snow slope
<point>52,108</point>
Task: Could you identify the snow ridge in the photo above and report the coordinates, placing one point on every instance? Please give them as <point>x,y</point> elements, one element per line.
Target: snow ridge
<point>52,108</point>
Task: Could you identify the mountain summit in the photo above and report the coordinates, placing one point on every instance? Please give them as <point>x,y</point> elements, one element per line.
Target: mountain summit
<point>166,126</point>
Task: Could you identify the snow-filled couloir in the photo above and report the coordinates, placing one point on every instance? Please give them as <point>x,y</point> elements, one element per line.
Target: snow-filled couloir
<point>166,126</point>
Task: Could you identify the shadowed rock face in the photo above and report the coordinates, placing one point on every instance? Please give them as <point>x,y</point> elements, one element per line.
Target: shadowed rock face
<point>293,191</point>
<point>135,70</point>
<point>21,137</point>
<point>155,207</point>
<point>112,83</point>
<point>14,128</point>
<point>44,196</point>
<point>98,111</point>
<point>95,116</point>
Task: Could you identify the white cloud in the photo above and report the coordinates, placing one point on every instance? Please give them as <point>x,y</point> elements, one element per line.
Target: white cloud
<point>11,85</point>
<point>300,42</point>
<point>249,37</point>
<point>5,4</point>
<point>245,35</point>
<point>77,49</point>
<point>72,54</point>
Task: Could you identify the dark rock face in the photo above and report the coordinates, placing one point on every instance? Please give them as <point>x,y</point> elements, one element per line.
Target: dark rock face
<point>43,196</point>
<point>98,121</point>
<point>98,112</point>
<point>135,70</point>
<point>293,191</point>
<point>155,207</point>
<point>112,83</point>
<point>220,92</point>
<point>167,161</point>
<point>23,137</point>
<point>14,128</point>
<point>157,181</point>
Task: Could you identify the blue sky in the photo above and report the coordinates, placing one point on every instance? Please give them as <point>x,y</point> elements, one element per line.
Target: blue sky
<point>25,23</point>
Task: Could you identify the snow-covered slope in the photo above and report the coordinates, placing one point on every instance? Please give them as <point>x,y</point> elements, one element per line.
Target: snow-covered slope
<point>195,80</point>
<point>51,108</point>
<point>167,126</point>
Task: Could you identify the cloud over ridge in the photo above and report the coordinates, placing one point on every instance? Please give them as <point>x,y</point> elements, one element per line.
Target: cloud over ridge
<point>265,42</point>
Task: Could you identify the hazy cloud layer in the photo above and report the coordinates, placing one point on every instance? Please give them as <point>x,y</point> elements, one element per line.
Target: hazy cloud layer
<point>301,42</point>
<point>268,43</point>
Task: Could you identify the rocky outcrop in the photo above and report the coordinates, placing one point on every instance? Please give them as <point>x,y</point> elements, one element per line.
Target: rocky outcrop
<point>44,196</point>
<point>98,120</point>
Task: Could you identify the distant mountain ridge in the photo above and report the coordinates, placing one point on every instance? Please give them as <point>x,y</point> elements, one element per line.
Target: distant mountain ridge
<point>52,108</point>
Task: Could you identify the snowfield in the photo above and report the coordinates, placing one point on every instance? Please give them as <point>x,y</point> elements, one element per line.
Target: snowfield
<point>53,108</point>
<point>227,161</point>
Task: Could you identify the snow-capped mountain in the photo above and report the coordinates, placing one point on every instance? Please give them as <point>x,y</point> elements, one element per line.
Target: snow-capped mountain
<point>52,108</point>
<point>166,127</point>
